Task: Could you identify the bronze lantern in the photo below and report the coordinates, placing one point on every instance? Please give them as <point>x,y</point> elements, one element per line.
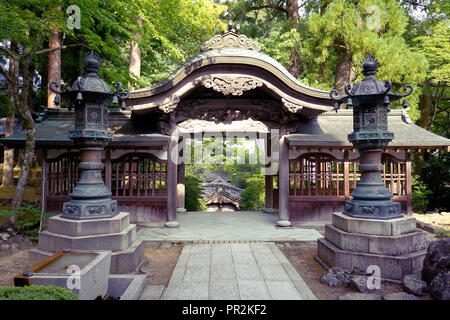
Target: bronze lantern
<point>90,96</point>
<point>370,100</point>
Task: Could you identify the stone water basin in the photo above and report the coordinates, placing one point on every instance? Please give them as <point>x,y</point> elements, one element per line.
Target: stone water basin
<point>85,273</point>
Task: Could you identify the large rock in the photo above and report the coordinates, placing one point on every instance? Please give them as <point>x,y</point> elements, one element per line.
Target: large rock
<point>399,296</point>
<point>359,296</point>
<point>436,251</point>
<point>436,269</point>
<point>413,283</point>
<point>440,285</point>
<point>336,277</point>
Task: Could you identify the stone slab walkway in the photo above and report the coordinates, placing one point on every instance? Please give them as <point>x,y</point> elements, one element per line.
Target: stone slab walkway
<point>235,271</point>
<point>241,225</point>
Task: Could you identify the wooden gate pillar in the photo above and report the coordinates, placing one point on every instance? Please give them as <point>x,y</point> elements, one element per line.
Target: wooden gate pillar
<point>181,189</point>
<point>268,206</point>
<point>171,181</point>
<point>283,184</point>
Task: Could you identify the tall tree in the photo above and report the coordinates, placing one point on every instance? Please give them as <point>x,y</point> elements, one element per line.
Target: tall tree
<point>8,154</point>
<point>174,29</point>
<point>54,66</point>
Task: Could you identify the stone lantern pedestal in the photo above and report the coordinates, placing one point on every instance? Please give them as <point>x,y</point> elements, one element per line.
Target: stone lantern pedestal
<point>396,246</point>
<point>115,234</point>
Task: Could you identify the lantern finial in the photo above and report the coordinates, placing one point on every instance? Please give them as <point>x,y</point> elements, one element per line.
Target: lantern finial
<point>93,62</point>
<point>369,65</point>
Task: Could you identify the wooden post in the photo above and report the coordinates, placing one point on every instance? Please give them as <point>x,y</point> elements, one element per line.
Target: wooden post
<point>181,189</point>
<point>283,184</point>
<point>346,176</point>
<point>171,183</point>
<point>108,167</point>
<point>408,183</point>
<point>44,191</point>
<point>269,177</point>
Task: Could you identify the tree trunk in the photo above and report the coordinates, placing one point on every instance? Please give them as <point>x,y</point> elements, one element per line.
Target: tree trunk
<point>344,72</point>
<point>28,125</point>
<point>54,67</point>
<point>135,56</point>
<point>296,61</point>
<point>8,155</point>
<point>135,59</point>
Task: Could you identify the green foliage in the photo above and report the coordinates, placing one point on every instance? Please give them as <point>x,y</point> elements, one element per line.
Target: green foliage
<point>420,196</point>
<point>436,47</point>
<point>36,293</point>
<point>27,219</point>
<point>167,32</point>
<point>330,29</point>
<point>436,177</point>
<point>442,233</point>
<point>253,195</point>
<point>193,192</point>
<point>5,106</point>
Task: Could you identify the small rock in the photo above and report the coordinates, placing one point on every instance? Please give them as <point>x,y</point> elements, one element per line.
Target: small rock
<point>5,247</point>
<point>14,248</point>
<point>399,296</point>
<point>10,230</point>
<point>360,283</point>
<point>336,277</point>
<point>359,296</point>
<point>4,236</point>
<point>413,283</point>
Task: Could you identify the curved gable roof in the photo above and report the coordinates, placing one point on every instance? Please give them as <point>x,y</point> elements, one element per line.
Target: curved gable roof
<point>230,56</point>
<point>237,58</point>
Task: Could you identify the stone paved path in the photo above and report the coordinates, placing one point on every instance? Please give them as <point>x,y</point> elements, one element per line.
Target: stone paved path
<point>241,225</point>
<point>235,271</point>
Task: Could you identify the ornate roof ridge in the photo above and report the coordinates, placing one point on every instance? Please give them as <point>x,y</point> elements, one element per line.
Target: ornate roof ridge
<point>230,39</point>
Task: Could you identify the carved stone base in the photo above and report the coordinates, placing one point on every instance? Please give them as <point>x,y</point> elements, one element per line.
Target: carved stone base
<point>172,224</point>
<point>373,209</point>
<point>283,223</point>
<point>89,209</point>
<point>395,246</point>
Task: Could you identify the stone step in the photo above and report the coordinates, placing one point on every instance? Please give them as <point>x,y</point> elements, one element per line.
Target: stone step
<point>77,228</point>
<point>53,242</point>
<point>388,245</point>
<point>152,293</point>
<point>129,260</point>
<point>391,267</point>
<point>392,227</point>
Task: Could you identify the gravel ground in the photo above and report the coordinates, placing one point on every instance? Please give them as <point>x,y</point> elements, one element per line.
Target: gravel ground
<point>435,219</point>
<point>13,265</point>
<point>162,261</point>
<point>302,258</point>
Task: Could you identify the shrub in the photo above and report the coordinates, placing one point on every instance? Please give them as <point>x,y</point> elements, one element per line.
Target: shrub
<point>193,193</point>
<point>436,176</point>
<point>36,293</point>
<point>420,196</point>
<point>27,219</point>
<point>253,195</point>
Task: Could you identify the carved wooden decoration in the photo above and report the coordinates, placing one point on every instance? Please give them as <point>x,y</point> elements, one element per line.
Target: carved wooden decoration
<point>169,106</point>
<point>230,39</point>
<point>290,106</point>
<point>232,85</point>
